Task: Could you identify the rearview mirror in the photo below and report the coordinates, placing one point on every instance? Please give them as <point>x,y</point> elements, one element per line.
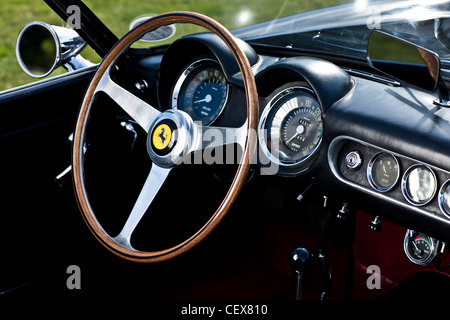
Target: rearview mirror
<point>41,48</point>
<point>403,60</point>
<point>159,34</point>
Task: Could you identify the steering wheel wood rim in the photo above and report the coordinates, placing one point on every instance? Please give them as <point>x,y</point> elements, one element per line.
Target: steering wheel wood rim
<point>79,137</point>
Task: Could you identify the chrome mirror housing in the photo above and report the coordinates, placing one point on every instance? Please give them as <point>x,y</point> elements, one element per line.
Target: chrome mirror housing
<point>41,48</point>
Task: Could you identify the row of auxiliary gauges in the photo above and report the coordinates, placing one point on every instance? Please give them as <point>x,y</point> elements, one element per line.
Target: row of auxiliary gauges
<point>418,183</point>
<point>420,248</point>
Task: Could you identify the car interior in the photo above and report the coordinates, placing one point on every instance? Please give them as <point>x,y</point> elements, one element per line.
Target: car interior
<point>220,167</point>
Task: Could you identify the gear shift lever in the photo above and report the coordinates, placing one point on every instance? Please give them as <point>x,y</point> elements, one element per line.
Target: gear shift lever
<point>300,260</point>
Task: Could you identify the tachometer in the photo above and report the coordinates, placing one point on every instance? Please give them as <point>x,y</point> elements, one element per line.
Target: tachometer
<point>201,91</point>
<point>290,129</point>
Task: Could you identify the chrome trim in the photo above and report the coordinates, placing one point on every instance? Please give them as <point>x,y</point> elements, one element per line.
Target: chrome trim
<point>55,39</point>
<point>69,168</point>
<point>77,63</point>
<point>262,130</point>
<point>63,173</point>
<point>159,34</point>
<point>370,176</point>
<point>373,77</point>
<point>353,160</point>
<point>191,137</point>
<point>43,82</point>
<point>404,182</point>
<point>433,247</point>
<point>441,198</point>
<point>181,80</point>
<point>332,154</point>
<point>187,133</point>
<point>68,45</point>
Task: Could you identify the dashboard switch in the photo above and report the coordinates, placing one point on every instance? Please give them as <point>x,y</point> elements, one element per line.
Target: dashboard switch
<point>375,224</point>
<point>343,212</point>
<point>353,160</point>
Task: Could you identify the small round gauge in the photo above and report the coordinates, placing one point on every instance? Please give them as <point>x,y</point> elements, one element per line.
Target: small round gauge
<point>290,129</point>
<point>383,171</point>
<point>201,91</point>
<point>444,199</point>
<point>419,248</point>
<point>419,185</point>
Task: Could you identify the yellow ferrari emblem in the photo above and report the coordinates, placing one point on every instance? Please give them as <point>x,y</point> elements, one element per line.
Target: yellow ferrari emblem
<point>161,136</point>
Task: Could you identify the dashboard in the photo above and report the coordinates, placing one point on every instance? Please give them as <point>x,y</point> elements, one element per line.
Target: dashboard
<point>365,139</point>
<point>391,176</point>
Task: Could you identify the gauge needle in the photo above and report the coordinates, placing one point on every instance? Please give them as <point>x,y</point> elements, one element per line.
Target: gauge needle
<point>207,99</point>
<point>418,251</point>
<point>300,129</point>
<point>292,138</point>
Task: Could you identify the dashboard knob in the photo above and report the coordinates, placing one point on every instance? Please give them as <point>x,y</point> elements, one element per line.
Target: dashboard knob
<point>375,224</point>
<point>300,260</point>
<point>343,212</point>
<point>353,160</point>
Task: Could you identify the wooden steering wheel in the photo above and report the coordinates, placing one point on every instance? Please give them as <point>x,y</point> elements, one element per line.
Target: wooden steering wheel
<point>184,137</point>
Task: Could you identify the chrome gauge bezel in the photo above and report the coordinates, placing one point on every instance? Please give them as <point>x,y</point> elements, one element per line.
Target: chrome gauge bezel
<point>441,199</point>
<point>405,178</point>
<point>177,90</point>
<point>370,174</point>
<point>433,248</point>
<point>262,127</point>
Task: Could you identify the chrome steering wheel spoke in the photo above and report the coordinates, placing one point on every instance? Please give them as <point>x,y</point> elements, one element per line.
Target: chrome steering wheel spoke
<point>139,110</point>
<point>213,137</point>
<point>152,185</point>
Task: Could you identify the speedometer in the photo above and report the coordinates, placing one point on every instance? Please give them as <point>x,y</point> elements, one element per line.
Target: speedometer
<point>291,128</point>
<point>201,91</point>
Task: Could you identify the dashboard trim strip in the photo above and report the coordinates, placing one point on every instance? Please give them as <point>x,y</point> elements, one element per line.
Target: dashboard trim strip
<point>332,157</point>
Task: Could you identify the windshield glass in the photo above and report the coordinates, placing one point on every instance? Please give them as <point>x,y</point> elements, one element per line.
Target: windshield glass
<point>337,27</point>
<point>119,14</point>
<point>345,29</point>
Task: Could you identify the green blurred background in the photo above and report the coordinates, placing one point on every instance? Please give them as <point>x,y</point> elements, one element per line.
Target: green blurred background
<point>118,14</point>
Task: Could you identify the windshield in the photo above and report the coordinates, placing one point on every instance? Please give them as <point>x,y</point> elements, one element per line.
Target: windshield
<point>119,14</point>
<point>336,27</point>
<point>345,29</point>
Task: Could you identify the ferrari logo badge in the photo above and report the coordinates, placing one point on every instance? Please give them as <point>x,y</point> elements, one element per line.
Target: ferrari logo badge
<point>161,136</point>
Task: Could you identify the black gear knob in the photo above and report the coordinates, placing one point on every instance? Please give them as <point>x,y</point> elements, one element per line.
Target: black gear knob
<point>300,260</point>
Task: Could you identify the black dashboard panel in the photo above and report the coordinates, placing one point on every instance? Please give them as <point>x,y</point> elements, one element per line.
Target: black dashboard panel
<point>359,177</point>
<point>401,119</point>
<point>403,122</point>
<point>375,116</point>
<point>272,74</point>
<point>330,82</point>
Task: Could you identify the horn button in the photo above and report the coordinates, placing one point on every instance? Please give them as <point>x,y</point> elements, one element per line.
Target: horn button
<point>171,138</point>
